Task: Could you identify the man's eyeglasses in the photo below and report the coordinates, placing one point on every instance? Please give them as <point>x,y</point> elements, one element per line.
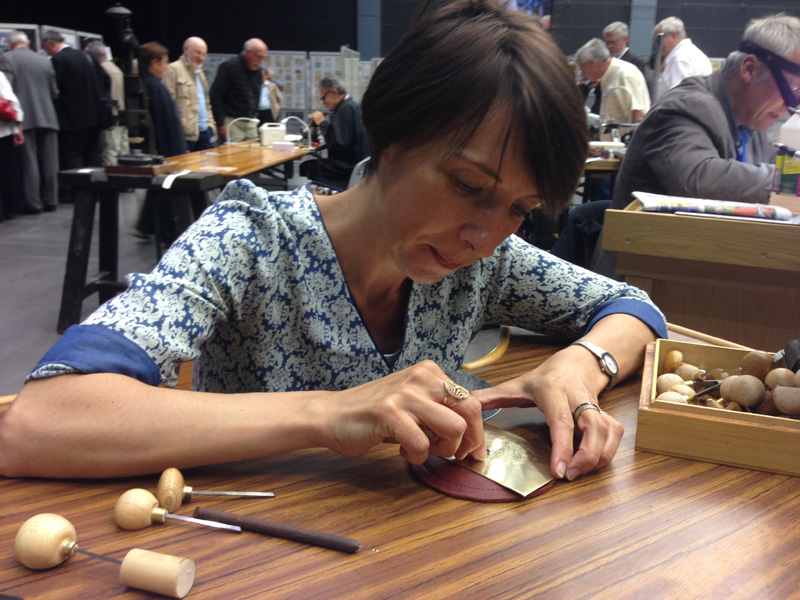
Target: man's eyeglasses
<point>325,95</point>
<point>777,65</point>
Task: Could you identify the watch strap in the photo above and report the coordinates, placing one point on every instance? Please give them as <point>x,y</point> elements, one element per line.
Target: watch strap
<point>599,354</point>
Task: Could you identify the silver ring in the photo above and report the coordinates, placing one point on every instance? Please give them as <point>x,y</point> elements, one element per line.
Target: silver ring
<point>583,407</point>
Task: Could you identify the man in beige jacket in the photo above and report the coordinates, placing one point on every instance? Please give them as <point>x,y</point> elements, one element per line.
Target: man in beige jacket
<point>270,99</point>
<point>115,139</point>
<point>187,85</point>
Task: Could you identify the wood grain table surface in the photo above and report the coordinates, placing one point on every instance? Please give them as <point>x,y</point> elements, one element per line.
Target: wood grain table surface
<point>237,160</point>
<point>646,527</point>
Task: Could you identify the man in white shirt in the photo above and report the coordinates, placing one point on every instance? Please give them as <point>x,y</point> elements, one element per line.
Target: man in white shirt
<point>625,96</point>
<point>682,58</point>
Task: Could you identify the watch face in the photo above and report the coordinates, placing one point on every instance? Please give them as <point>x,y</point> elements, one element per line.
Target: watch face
<point>610,364</point>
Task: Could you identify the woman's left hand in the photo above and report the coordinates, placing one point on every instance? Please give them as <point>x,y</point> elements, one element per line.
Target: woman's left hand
<point>557,388</point>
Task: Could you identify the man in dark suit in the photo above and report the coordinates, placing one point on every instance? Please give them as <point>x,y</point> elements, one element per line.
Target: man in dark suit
<point>616,36</point>
<point>80,79</point>
<point>34,82</point>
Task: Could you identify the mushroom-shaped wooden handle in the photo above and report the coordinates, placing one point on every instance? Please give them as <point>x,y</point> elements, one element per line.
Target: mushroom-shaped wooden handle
<point>172,490</point>
<point>137,509</point>
<point>45,540</point>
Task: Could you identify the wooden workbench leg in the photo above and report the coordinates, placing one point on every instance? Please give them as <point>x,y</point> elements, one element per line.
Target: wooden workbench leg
<point>80,242</point>
<point>181,211</point>
<point>108,241</point>
<point>200,201</point>
<point>288,172</point>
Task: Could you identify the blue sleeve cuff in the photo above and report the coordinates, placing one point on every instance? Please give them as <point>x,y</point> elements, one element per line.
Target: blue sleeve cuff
<point>97,349</point>
<point>645,312</point>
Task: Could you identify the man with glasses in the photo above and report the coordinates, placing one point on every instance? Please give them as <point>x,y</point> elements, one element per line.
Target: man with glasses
<point>706,137</point>
<point>344,137</point>
<point>236,91</point>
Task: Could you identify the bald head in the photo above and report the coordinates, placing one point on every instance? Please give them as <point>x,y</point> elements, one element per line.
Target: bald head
<point>195,50</point>
<point>255,51</point>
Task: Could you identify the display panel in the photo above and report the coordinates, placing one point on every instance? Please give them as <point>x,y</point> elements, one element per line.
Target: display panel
<point>70,35</point>
<point>31,30</point>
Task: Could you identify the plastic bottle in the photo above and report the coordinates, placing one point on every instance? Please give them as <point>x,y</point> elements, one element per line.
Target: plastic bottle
<point>787,170</point>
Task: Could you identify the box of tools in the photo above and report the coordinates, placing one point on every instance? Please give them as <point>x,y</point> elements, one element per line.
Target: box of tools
<point>703,429</point>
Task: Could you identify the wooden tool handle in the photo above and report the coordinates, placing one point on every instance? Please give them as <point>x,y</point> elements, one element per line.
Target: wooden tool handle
<point>137,509</point>
<point>44,541</point>
<point>171,489</point>
<point>156,572</point>
<point>289,532</point>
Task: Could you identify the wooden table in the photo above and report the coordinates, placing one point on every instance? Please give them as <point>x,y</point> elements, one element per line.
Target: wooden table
<point>96,187</point>
<point>734,279</point>
<point>598,169</point>
<point>648,526</point>
<point>240,160</point>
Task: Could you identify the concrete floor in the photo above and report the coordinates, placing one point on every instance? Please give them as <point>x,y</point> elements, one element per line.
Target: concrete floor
<point>33,252</point>
<point>32,260</point>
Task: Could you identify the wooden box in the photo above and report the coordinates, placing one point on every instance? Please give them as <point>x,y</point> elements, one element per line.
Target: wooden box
<point>740,439</point>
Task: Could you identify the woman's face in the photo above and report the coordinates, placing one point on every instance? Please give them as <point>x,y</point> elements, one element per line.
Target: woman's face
<point>441,211</point>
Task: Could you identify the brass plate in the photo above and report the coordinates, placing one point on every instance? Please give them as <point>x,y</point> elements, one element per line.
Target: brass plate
<point>514,462</point>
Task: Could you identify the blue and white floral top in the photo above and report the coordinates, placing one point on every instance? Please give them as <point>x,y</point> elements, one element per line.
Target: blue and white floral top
<point>254,294</point>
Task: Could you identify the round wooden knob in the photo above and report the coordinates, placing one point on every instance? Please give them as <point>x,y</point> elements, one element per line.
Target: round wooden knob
<point>172,490</point>
<point>137,509</point>
<point>45,541</point>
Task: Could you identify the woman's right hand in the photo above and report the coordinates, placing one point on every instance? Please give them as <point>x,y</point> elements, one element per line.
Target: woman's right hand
<point>407,407</point>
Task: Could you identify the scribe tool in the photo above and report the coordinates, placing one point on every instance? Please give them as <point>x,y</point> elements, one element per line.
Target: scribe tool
<point>173,491</point>
<point>289,532</point>
<point>138,508</point>
<point>46,540</point>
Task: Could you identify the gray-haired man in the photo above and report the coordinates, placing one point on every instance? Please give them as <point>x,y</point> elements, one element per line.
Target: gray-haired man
<point>34,81</point>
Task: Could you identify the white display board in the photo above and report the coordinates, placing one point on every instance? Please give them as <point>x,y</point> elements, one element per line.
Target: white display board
<point>70,35</point>
<point>299,73</point>
<point>84,37</point>
<point>291,73</point>
<point>323,64</point>
<point>211,64</point>
<point>31,30</point>
<point>366,69</point>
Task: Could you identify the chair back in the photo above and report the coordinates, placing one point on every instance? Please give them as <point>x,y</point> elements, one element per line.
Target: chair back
<point>358,173</point>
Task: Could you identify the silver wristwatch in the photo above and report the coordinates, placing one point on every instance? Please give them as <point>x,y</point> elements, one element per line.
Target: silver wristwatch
<point>607,363</point>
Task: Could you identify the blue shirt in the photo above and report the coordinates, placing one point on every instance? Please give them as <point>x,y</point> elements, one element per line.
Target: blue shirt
<point>254,294</point>
<point>202,109</point>
<point>264,102</point>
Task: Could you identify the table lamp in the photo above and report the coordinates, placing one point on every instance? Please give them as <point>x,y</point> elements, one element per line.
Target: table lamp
<point>228,128</point>
<point>303,125</point>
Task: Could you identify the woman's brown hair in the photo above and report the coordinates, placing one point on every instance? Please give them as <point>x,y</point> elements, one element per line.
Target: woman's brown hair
<point>459,61</point>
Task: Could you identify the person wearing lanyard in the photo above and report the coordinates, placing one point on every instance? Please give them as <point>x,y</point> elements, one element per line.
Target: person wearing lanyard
<point>706,138</point>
